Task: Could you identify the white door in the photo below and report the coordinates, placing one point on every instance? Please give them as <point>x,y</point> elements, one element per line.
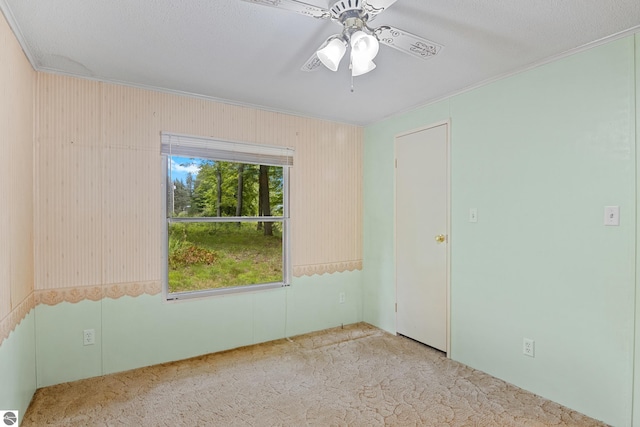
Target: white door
<point>421,235</point>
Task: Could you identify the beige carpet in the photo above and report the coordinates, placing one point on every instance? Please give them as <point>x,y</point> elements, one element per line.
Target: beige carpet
<point>356,376</point>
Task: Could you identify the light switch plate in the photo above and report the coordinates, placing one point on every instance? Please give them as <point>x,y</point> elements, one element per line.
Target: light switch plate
<point>612,215</point>
<point>473,215</point>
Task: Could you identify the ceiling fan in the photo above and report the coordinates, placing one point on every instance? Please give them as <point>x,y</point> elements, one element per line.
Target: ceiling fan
<point>354,16</point>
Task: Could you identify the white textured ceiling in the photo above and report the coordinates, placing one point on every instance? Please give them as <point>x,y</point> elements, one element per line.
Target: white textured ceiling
<point>249,54</point>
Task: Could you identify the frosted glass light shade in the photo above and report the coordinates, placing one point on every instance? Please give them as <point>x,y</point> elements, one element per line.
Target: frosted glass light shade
<point>364,46</point>
<point>331,54</point>
<point>359,68</point>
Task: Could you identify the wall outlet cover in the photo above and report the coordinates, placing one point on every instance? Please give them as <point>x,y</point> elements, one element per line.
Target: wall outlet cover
<point>528,347</point>
<point>89,336</point>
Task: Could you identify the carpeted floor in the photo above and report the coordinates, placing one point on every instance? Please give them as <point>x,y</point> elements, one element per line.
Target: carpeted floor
<point>356,376</point>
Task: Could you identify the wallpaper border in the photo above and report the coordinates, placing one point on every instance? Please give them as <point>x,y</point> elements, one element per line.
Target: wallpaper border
<point>13,319</point>
<point>76,294</point>
<point>330,268</point>
<point>96,293</point>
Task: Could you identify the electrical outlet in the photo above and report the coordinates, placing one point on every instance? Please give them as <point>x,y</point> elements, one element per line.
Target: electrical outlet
<point>528,347</point>
<point>342,297</point>
<point>89,336</point>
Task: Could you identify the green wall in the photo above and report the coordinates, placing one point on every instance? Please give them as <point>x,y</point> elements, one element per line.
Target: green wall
<point>539,154</point>
<point>146,330</point>
<point>17,367</point>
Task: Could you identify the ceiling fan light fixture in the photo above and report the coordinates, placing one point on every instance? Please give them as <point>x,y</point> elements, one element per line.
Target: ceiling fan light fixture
<point>362,40</point>
<point>364,46</point>
<point>331,54</point>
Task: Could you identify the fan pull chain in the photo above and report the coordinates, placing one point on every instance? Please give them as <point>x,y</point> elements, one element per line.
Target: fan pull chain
<point>352,84</point>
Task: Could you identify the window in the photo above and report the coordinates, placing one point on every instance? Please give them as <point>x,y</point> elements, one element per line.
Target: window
<point>227,216</point>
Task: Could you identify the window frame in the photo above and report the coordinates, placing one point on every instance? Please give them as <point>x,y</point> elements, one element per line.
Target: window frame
<point>167,221</point>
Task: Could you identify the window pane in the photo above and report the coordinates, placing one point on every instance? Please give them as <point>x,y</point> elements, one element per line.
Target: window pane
<point>220,255</point>
<point>207,188</point>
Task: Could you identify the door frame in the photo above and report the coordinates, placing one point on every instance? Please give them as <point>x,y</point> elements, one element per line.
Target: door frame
<point>448,226</point>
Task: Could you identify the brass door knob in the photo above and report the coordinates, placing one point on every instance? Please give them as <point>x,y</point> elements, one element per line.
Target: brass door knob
<point>440,238</point>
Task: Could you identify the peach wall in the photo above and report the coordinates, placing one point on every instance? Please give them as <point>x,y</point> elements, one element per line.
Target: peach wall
<point>98,175</point>
<point>17,80</point>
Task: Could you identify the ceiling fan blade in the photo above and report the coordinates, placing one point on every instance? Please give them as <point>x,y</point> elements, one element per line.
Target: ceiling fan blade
<point>312,63</point>
<point>295,6</point>
<point>407,42</point>
<point>373,7</point>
